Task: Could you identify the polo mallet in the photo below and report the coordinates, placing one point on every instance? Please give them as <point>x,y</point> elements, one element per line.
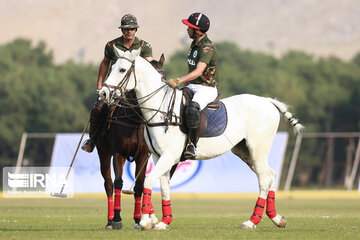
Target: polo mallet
<point>130,191</point>
<point>61,194</point>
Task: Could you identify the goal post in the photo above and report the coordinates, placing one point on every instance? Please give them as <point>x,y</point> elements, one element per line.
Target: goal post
<point>25,136</point>
<point>329,135</point>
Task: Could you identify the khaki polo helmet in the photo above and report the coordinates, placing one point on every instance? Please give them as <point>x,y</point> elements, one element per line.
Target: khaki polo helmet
<point>129,21</point>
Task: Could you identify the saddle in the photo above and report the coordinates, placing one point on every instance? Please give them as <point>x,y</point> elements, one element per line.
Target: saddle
<point>216,107</point>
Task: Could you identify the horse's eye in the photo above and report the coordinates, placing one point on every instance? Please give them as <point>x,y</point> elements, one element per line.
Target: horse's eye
<point>122,70</point>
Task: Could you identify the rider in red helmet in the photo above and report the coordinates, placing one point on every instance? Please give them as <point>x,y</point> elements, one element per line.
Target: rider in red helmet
<point>202,77</point>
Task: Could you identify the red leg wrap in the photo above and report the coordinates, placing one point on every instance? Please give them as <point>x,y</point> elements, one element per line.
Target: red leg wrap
<point>167,212</point>
<point>147,207</point>
<point>258,211</point>
<point>110,208</point>
<point>152,211</point>
<point>270,205</point>
<point>117,203</point>
<point>137,208</point>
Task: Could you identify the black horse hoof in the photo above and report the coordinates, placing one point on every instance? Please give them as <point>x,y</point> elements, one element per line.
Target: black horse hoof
<point>109,224</point>
<point>116,225</point>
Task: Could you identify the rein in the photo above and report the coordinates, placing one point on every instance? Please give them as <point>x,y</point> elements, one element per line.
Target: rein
<point>168,116</point>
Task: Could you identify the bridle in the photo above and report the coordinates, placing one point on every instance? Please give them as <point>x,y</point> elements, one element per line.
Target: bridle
<point>168,116</point>
<point>122,84</point>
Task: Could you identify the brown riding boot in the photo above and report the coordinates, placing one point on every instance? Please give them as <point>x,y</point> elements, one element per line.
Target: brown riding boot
<point>97,118</point>
<point>88,146</point>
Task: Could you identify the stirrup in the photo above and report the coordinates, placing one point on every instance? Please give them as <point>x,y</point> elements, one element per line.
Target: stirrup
<point>88,146</point>
<point>190,152</point>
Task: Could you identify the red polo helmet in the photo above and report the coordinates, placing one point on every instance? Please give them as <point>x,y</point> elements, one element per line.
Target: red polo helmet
<point>198,21</point>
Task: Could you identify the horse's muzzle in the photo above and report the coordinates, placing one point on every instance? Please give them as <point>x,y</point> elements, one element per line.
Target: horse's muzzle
<point>104,94</point>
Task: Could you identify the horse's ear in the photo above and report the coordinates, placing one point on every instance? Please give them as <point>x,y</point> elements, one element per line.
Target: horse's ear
<point>134,54</point>
<point>119,53</point>
<point>162,60</point>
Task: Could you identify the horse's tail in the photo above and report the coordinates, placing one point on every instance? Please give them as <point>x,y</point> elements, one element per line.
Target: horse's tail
<point>283,108</point>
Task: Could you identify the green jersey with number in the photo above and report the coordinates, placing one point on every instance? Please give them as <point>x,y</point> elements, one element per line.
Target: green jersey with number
<point>204,51</point>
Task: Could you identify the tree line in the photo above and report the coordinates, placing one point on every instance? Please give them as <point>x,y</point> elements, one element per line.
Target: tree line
<point>40,96</point>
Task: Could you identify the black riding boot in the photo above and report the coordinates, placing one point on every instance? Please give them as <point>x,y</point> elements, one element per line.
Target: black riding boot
<point>97,118</point>
<point>190,151</point>
<point>193,123</point>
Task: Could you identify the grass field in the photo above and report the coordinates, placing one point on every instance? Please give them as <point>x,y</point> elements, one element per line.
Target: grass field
<point>310,215</point>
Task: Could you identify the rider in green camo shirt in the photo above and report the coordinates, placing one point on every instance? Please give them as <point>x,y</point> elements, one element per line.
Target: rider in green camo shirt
<point>146,50</point>
<point>204,51</point>
<point>127,42</point>
<point>202,76</point>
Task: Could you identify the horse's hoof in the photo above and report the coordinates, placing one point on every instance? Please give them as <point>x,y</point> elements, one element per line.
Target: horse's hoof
<point>116,225</point>
<point>109,225</point>
<point>146,225</point>
<point>282,223</point>
<point>248,225</point>
<point>154,219</point>
<point>279,221</point>
<point>137,226</point>
<point>160,226</point>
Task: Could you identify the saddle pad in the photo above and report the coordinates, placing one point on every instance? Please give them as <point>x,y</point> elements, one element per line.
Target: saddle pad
<point>216,122</point>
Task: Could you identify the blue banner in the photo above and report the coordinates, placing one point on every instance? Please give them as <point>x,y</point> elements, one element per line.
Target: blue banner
<point>224,174</point>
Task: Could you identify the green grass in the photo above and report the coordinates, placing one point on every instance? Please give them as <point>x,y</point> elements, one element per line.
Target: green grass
<point>198,218</point>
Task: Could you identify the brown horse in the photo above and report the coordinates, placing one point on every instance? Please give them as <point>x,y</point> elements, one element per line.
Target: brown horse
<point>122,137</point>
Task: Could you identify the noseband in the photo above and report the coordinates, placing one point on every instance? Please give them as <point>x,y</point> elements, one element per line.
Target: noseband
<point>168,115</point>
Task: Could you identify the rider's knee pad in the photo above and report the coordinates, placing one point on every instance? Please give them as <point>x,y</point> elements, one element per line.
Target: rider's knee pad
<point>193,115</point>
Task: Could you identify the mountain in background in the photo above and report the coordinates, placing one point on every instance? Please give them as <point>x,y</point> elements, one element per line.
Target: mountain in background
<point>78,30</point>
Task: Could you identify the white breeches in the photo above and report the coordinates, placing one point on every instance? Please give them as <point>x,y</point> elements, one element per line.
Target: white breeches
<point>203,95</point>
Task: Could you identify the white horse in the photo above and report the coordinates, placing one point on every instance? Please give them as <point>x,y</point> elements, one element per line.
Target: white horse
<point>252,124</point>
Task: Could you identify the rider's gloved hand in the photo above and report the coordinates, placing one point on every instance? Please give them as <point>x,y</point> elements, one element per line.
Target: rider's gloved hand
<point>173,82</point>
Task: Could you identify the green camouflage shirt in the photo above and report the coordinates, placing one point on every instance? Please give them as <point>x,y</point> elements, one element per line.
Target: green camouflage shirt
<point>146,50</point>
<point>204,51</point>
